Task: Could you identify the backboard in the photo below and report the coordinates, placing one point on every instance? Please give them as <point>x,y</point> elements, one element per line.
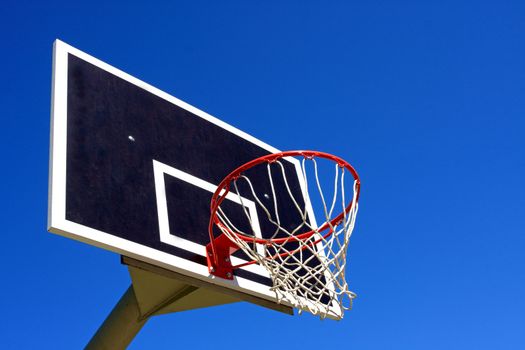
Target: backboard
<point>133,169</point>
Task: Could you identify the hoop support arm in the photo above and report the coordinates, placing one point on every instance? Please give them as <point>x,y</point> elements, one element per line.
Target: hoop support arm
<point>218,256</point>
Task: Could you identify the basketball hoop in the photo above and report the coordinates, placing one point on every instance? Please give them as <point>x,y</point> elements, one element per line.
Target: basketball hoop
<point>306,263</point>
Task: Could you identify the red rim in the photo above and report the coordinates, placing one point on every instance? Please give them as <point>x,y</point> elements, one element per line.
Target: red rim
<point>217,199</point>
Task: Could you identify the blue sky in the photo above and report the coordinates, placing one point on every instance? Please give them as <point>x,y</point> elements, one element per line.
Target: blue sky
<point>426,99</point>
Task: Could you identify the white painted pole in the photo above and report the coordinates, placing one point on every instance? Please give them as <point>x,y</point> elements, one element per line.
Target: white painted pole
<point>121,325</point>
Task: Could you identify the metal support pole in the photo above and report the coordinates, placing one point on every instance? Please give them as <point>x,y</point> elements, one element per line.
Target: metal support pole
<point>121,326</point>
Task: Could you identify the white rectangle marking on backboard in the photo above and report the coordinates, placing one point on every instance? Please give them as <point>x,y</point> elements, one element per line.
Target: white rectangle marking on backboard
<point>168,237</point>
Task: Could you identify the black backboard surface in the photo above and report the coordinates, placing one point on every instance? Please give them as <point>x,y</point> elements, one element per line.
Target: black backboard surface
<point>133,169</point>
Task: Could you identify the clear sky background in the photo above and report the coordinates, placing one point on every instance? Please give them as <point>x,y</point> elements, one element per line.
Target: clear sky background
<point>425,98</point>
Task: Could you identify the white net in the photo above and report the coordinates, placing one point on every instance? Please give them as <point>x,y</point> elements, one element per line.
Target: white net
<point>306,262</point>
